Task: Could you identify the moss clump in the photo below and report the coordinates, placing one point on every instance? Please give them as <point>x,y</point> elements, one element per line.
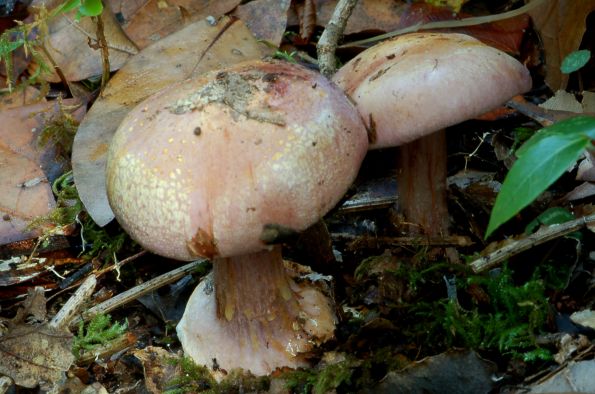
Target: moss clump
<point>321,380</point>
<point>99,331</point>
<point>191,379</point>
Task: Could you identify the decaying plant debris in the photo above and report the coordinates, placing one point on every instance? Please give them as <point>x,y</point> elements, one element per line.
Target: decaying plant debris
<point>84,308</point>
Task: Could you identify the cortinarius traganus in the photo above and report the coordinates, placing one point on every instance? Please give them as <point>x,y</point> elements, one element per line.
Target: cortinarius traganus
<point>409,88</point>
<point>221,166</point>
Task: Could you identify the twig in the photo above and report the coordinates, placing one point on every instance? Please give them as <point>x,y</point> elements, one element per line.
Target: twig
<point>117,265</point>
<point>330,37</point>
<point>5,384</point>
<point>476,20</point>
<point>543,235</point>
<point>105,350</point>
<point>374,241</point>
<point>139,291</point>
<point>104,52</point>
<point>75,302</point>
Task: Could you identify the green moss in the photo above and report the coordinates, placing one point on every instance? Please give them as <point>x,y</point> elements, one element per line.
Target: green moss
<point>508,323</point>
<point>69,210</point>
<point>322,380</point>
<point>192,378</point>
<point>198,379</point>
<point>60,129</point>
<point>97,332</point>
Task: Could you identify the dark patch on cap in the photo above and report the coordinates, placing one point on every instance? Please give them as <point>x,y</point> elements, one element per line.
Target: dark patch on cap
<point>391,56</point>
<point>273,233</point>
<point>356,62</point>
<point>202,245</point>
<point>379,74</point>
<point>270,77</point>
<point>371,129</point>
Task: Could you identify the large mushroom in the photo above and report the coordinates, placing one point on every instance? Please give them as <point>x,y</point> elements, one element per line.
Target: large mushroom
<point>408,89</point>
<point>224,166</point>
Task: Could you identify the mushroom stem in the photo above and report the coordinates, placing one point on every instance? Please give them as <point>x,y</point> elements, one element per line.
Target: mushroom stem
<point>422,185</point>
<point>254,287</point>
<point>251,314</point>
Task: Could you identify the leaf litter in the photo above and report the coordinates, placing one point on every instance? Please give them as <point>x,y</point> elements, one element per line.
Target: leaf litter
<point>390,308</point>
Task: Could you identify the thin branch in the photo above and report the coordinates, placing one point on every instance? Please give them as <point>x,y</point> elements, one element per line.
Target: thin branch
<point>330,37</point>
<point>541,236</point>
<point>476,20</point>
<point>74,304</point>
<point>138,291</point>
<point>104,52</point>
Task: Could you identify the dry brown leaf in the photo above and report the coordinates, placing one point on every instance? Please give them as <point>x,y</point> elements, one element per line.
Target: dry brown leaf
<point>34,355</point>
<point>267,19</point>
<point>191,51</point>
<point>26,169</point>
<point>18,98</point>
<point>306,13</point>
<point>368,15</point>
<point>386,16</point>
<point>157,368</point>
<point>157,19</point>
<point>561,25</point>
<point>69,46</point>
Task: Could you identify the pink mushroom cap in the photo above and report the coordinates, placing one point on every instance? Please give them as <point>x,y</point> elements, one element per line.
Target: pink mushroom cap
<point>415,84</point>
<point>201,169</point>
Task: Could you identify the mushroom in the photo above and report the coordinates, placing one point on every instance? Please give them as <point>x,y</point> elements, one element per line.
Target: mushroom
<point>225,166</point>
<point>408,89</point>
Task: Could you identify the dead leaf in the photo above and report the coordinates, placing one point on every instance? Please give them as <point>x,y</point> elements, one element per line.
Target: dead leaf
<point>157,368</point>
<point>70,43</point>
<point>575,377</point>
<point>27,169</point>
<point>18,98</point>
<point>561,25</point>
<point>563,101</point>
<point>266,19</point>
<point>172,59</point>
<point>157,19</point>
<point>33,355</point>
<point>386,15</point>
<point>306,13</point>
<point>446,372</point>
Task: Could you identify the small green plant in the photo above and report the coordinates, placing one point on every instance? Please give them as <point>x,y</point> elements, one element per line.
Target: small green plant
<point>192,378</point>
<point>98,331</point>
<point>59,129</point>
<point>540,162</point>
<point>516,314</point>
<point>31,37</point>
<point>320,381</point>
<point>69,209</point>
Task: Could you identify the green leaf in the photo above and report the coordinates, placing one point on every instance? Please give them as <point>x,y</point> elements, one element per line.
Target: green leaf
<point>91,8</point>
<point>575,61</point>
<point>579,125</point>
<point>541,161</point>
<point>69,6</point>
<point>553,215</point>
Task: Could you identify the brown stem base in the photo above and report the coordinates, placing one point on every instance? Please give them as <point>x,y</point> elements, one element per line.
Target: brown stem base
<point>422,185</point>
<point>250,314</point>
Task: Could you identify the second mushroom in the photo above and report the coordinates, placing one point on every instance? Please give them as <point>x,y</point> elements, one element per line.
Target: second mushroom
<point>408,89</point>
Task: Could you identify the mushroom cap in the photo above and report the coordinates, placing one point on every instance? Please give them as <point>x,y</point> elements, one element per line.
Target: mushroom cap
<point>415,84</point>
<point>202,168</point>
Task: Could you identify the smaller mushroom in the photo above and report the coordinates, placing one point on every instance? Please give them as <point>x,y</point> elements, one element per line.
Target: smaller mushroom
<point>408,89</point>
<point>225,166</point>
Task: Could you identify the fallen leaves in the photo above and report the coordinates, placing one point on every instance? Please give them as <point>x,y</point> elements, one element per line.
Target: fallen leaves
<point>34,354</point>
<point>27,168</point>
